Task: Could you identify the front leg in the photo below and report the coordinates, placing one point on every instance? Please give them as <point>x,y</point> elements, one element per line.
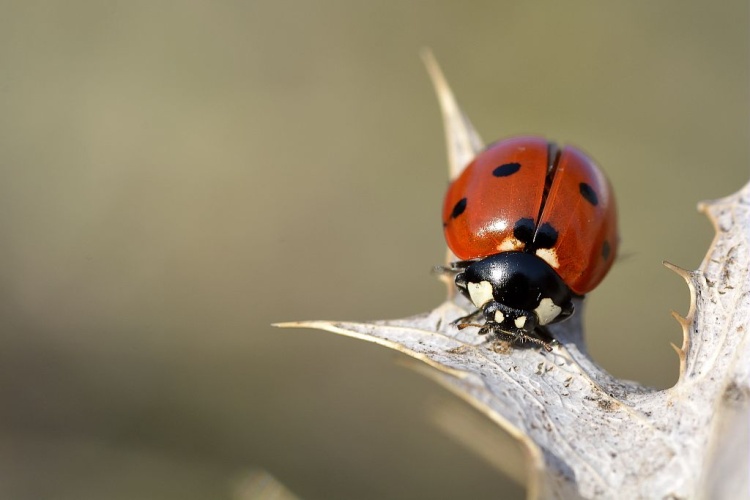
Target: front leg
<point>525,337</point>
<point>464,321</point>
<point>454,267</point>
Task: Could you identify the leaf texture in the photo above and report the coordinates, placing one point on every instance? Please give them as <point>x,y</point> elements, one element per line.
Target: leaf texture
<point>586,433</point>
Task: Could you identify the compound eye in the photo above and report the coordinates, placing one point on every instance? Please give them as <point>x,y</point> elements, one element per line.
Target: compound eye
<point>461,282</point>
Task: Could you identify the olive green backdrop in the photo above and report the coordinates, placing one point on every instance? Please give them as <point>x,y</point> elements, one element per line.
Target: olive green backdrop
<point>175,176</point>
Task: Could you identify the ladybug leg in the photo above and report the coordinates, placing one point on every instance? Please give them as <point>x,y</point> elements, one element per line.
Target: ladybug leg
<point>460,265</point>
<point>442,270</point>
<point>523,337</point>
<point>543,333</point>
<point>528,338</point>
<point>483,329</point>
<point>465,321</point>
<point>453,267</point>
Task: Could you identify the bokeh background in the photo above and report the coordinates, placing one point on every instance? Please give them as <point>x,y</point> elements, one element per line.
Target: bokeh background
<point>175,176</point>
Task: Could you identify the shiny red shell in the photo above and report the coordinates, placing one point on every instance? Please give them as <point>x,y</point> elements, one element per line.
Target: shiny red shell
<point>529,178</point>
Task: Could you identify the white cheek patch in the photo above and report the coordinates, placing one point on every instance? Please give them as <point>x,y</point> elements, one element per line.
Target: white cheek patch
<point>499,317</point>
<point>509,244</point>
<point>520,321</point>
<point>547,311</point>
<point>549,255</point>
<point>480,293</point>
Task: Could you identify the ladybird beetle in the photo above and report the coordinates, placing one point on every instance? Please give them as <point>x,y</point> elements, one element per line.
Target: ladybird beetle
<point>533,226</point>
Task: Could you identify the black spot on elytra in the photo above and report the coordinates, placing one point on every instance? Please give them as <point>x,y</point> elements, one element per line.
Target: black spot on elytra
<point>546,236</point>
<point>459,208</point>
<point>506,169</point>
<point>606,249</point>
<point>524,230</point>
<point>588,193</point>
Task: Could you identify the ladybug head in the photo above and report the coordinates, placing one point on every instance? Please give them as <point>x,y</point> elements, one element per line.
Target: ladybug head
<point>509,320</point>
<point>516,291</point>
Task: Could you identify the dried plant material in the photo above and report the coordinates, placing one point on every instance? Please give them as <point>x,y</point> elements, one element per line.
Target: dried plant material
<point>462,140</point>
<point>258,484</point>
<point>585,433</point>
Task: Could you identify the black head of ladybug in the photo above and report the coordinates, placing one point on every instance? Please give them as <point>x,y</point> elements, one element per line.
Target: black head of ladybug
<point>516,292</point>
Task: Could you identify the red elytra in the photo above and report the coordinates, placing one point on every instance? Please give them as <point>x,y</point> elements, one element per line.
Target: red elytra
<point>529,178</point>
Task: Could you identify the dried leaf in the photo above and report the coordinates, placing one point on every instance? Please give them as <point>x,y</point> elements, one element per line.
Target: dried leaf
<point>586,433</point>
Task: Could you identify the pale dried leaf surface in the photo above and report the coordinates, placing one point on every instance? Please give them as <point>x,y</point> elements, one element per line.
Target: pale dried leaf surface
<point>461,138</point>
<point>586,433</point>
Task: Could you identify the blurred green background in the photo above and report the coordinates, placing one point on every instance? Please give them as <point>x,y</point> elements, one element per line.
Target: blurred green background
<point>178,175</point>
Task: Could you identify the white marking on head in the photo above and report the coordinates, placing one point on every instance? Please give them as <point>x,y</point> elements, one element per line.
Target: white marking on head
<point>547,311</point>
<point>509,244</point>
<point>480,293</point>
<point>549,255</point>
<point>520,321</point>
<point>499,317</point>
